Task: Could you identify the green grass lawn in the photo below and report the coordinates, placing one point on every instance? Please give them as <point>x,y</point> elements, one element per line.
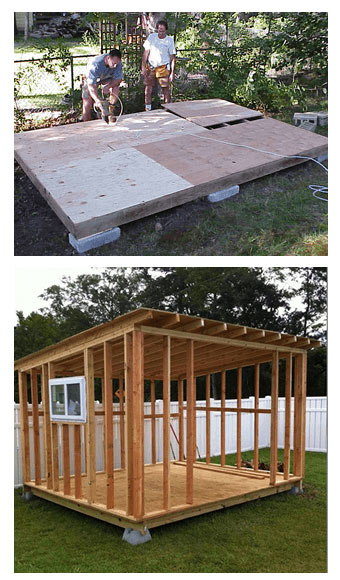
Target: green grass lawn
<point>282,533</point>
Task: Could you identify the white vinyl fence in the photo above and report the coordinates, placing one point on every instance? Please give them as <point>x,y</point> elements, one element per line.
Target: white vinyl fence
<point>316,432</point>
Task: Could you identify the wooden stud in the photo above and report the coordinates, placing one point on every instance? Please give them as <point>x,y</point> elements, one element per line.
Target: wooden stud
<point>181,419</point>
<point>223,382</point>
<point>90,427</point>
<point>190,423</point>
<point>153,422</point>
<point>47,426</point>
<point>297,453</point>
<point>66,459</point>
<point>304,402</point>
<point>36,427</point>
<point>54,440</point>
<point>24,430</point>
<point>121,423</point>
<point>238,419</point>
<point>138,421</point>
<point>166,421</point>
<point>274,418</point>
<point>129,418</point>
<point>256,414</point>
<point>77,461</point>
<point>288,395</point>
<point>109,447</point>
<point>207,419</point>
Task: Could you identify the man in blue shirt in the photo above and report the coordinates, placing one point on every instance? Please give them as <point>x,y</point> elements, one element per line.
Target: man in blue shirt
<point>106,71</point>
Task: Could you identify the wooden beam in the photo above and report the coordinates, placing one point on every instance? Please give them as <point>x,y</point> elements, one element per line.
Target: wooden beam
<point>109,447</point>
<point>274,418</point>
<point>207,419</point>
<point>77,461</point>
<point>297,453</point>
<point>180,419</point>
<point>256,415</point>
<point>238,419</point>
<point>128,364</point>
<point>138,421</point>
<point>217,340</point>
<point>190,423</point>
<point>166,421</point>
<point>24,432</point>
<point>90,427</point>
<point>122,422</point>
<point>66,459</point>
<point>288,396</point>
<point>153,422</point>
<point>36,427</point>
<point>47,425</point>
<point>223,381</point>
<point>54,439</point>
<point>304,401</point>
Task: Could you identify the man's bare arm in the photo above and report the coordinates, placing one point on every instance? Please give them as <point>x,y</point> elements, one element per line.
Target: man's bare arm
<point>172,67</point>
<point>145,60</point>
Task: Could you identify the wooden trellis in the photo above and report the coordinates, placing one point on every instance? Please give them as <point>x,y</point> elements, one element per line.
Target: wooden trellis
<point>149,345</point>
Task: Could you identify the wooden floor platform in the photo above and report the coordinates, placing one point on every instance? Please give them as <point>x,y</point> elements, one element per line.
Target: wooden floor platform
<point>214,488</point>
<point>96,176</point>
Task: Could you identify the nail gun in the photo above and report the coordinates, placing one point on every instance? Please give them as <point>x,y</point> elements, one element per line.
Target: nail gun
<point>105,110</point>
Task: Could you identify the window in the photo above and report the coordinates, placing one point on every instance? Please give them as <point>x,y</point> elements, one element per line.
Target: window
<point>68,399</point>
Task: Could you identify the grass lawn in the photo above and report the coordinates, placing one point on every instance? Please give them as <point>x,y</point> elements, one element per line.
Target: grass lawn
<point>283,533</point>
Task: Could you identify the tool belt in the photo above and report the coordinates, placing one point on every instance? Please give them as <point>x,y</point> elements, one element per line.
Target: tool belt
<point>159,71</point>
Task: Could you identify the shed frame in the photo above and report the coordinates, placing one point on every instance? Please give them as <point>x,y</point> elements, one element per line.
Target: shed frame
<point>148,344</point>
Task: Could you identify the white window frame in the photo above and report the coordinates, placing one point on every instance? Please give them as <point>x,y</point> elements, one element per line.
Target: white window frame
<point>68,381</point>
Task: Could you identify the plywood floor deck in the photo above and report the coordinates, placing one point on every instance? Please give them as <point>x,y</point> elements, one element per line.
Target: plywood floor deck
<point>96,176</point>
<point>212,490</point>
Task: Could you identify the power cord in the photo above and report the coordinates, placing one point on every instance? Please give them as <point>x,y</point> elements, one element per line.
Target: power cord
<point>314,188</point>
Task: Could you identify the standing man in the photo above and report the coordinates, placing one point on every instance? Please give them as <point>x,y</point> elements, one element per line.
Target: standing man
<point>158,62</point>
<point>105,70</point>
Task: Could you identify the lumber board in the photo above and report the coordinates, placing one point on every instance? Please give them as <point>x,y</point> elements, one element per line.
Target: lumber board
<point>274,418</point>
<point>90,427</point>
<point>190,423</point>
<point>36,430</point>
<point>47,425</point>
<point>109,447</point>
<point>288,398</point>
<point>24,431</point>
<point>93,176</point>
<point>211,112</point>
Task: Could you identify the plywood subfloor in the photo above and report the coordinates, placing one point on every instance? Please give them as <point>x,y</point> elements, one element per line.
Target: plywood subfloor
<point>211,112</point>
<point>96,176</point>
<point>212,490</point>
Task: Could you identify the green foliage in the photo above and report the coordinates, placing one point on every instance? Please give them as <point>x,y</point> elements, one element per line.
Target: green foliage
<point>242,54</point>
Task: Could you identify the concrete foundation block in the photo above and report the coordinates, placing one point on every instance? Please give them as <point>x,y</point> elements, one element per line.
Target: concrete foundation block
<point>90,242</point>
<point>223,194</point>
<point>27,495</point>
<point>135,537</point>
<point>296,490</point>
<point>322,158</point>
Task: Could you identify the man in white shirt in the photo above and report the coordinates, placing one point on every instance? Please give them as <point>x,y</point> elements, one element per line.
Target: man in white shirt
<point>158,62</point>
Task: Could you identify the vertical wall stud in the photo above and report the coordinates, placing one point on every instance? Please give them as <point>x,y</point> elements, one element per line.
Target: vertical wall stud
<point>238,419</point>
<point>25,446</point>
<point>256,415</point>
<point>288,394</point>
<point>274,417</point>
<point>223,380</point>
<point>166,422</point>
<point>190,422</point>
<point>207,419</point>
<point>107,390</point>
<point>90,431</point>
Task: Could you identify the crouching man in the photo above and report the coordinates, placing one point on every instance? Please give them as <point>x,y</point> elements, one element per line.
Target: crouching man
<point>106,71</point>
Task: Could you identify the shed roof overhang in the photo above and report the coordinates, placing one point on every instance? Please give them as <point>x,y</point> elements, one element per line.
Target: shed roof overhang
<point>218,345</point>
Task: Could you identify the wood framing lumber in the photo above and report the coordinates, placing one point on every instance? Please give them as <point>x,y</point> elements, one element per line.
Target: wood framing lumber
<point>274,418</point>
<point>66,458</point>
<point>109,447</point>
<point>180,419</point>
<point>122,422</point>
<point>223,387</point>
<point>47,425</point>
<point>256,414</point>
<point>288,394</point>
<point>166,421</point>
<point>239,418</point>
<point>77,461</point>
<point>207,418</point>
<point>90,427</point>
<point>25,446</point>
<point>128,364</point>
<point>138,421</point>
<point>190,423</point>
<point>36,428</point>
